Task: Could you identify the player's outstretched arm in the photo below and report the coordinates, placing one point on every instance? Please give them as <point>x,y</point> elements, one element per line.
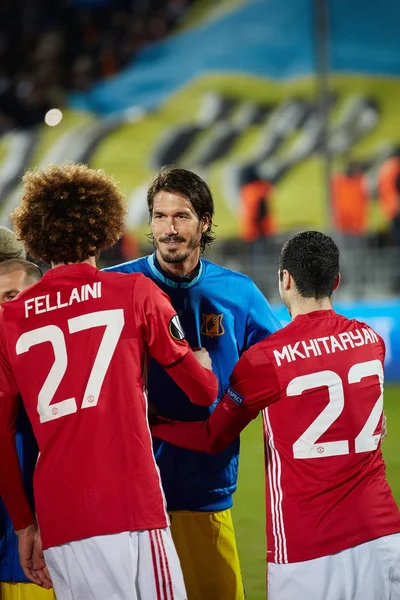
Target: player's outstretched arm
<point>199,383</point>
<point>252,387</point>
<point>167,345</point>
<point>212,435</point>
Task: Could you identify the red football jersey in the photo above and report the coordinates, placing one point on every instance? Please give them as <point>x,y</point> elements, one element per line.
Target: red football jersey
<point>320,383</point>
<point>77,344</point>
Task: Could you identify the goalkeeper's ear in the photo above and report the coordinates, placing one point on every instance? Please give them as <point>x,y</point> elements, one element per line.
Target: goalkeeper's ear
<point>337,283</point>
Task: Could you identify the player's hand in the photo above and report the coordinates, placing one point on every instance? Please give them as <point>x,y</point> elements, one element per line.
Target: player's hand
<point>31,556</point>
<point>39,564</point>
<point>203,357</point>
<point>384,427</point>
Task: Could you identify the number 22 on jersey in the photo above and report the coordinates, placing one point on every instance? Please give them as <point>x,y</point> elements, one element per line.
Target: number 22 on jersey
<point>113,320</point>
<point>366,441</point>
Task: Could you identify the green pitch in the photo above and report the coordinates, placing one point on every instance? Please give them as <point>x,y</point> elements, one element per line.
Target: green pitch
<point>249,511</point>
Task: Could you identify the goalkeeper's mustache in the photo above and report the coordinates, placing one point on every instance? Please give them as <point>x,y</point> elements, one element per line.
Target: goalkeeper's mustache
<point>172,238</point>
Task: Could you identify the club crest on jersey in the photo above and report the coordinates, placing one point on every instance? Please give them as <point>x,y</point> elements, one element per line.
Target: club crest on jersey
<point>212,325</point>
<point>176,329</point>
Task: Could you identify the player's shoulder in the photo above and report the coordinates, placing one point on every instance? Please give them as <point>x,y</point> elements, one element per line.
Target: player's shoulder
<point>357,324</point>
<point>126,280</point>
<point>258,353</point>
<point>256,359</point>
<point>139,265</point>
<point>365,330</point>
<point>358,327</point>
<point>225,274</point>
<point>270,345</point>
<point>279,336</point>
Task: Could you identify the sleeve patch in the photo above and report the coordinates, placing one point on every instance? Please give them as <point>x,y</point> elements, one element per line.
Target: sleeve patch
<point>176,329</point>
<point>237,398</point>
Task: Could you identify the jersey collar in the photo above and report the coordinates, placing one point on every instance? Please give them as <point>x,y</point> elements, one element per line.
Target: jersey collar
<point>315,314</point>
<point>62,270</point>
<point>176,282</point>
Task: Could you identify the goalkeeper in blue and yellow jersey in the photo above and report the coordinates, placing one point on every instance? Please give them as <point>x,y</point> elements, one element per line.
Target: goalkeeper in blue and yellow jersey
<point>224,312</point>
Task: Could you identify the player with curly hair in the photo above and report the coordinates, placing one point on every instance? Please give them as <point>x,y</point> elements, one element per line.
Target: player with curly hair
<point>75,346</point>
<point>69,214</point>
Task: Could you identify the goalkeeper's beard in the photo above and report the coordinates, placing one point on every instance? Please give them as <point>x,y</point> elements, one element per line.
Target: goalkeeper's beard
<point>177,255</point>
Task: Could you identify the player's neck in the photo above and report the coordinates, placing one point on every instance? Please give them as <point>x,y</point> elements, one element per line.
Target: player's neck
<point>186,268</point>
<point>89,261</point>
<point>303,306</point>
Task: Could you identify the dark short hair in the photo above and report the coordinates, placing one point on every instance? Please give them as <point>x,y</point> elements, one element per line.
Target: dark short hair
<point>190,186</point>
<point>32,271</point>
<point>312,259</point>
<point>68,213</point>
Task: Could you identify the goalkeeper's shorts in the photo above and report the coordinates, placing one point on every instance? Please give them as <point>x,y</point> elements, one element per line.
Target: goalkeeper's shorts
<point>24,591</point>
<point>206,546</point>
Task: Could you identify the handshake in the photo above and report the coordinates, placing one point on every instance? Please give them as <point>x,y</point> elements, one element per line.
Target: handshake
<point>204,359</point>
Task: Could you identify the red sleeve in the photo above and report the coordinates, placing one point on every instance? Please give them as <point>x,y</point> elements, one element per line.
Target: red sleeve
<point>253,386</point>
<point>11,484</point>
<point>159,322</point>
<point>198,383</point>
<point>167,345</point>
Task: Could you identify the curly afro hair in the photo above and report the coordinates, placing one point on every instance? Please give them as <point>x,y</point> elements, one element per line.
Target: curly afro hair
<point>68,213</point>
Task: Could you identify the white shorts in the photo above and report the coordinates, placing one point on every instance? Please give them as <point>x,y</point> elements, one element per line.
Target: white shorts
<point>140,565</point>
<point>370,571</point>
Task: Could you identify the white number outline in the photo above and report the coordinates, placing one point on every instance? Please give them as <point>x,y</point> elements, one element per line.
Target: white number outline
<point>305,446</point>
<point>54,335</point>
<point>113,320</point>
<point>366,440</point>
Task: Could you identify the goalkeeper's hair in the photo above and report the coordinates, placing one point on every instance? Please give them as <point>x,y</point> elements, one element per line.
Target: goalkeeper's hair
<point>68,213</point>
<point>312,259</point>
<point>190,186</point>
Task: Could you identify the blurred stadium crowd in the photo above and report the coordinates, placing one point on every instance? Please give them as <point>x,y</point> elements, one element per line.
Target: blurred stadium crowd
<point>48,48</point>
